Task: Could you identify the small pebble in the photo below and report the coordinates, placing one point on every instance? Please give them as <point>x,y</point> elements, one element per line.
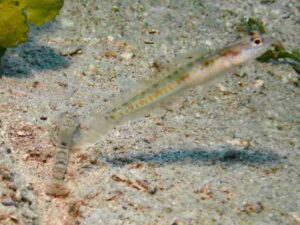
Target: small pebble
<point>43,118</point>
<point>258,83</point>
<point>9,202</point>
<point>208,43</point>
<point>152,31</point>
<point>110,55</point>
<point>110,38</point>
<point>127,55</point>
<point>255,207</point>
<point>93,68</point>
<point>238,143</point>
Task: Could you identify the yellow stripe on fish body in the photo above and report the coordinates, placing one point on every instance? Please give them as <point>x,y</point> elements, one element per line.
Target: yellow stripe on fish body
<point>172,84</point>
<point>157,92</point>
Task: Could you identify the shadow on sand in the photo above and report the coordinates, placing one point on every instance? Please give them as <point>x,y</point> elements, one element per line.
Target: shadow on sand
<point>223,155</point>
<point>21,61</point>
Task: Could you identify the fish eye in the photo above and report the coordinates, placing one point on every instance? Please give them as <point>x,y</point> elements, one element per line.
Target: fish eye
<point>256,41</point>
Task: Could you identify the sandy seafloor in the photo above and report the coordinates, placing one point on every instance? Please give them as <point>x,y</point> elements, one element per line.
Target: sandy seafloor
<point>227,153</point>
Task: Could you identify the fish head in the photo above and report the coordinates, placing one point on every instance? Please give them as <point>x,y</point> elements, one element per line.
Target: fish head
<point>250,48</point>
